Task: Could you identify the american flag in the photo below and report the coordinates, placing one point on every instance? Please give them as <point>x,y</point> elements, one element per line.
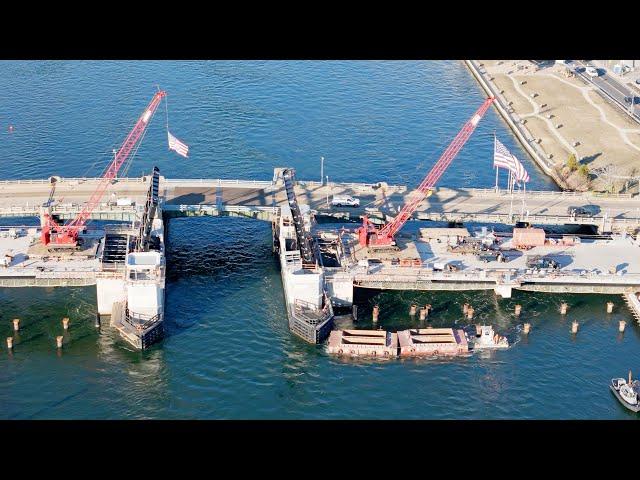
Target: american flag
<point>177,146</point>
<point>503,158</point>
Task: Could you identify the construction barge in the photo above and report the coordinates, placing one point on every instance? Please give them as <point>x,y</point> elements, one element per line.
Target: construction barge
<point>414,342</point>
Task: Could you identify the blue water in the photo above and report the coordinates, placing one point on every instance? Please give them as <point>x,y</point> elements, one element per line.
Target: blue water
<point>229,353</point>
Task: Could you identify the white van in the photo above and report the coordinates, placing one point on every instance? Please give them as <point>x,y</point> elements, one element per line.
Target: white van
<point>345,201</point>
<point>592,71</point>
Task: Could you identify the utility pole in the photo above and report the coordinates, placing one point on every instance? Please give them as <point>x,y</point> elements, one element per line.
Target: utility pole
<point>327,191</point>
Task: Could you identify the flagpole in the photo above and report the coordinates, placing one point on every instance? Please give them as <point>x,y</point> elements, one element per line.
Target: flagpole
<point>511,204</point>
<point>524,191</point>
<point>495,139</point>
<point>166,111</point>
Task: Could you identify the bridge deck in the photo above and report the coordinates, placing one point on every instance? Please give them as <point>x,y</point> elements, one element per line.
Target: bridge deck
<point>25,197</point>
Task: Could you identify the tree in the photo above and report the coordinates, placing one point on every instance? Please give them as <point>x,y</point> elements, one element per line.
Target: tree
<point>572,162</point>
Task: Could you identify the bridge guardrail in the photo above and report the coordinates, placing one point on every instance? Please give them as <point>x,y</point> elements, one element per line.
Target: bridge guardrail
<point>413,274</point>
<point>220,182</point>
<point>223,208</point>
<point>71,179</point>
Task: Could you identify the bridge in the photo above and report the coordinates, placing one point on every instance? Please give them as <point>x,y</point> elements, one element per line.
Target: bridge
<point>262,200</point>
<point>104,257</point>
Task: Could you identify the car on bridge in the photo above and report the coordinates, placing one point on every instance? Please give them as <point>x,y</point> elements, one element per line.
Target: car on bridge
<point>585,210</point>
<point>592,71</point>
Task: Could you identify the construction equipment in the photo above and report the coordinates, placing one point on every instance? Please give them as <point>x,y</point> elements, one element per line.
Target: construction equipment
<point>370,236</point>
<point>57,236</point>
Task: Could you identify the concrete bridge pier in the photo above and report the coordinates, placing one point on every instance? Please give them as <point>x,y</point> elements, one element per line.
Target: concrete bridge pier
<point>503,290</point>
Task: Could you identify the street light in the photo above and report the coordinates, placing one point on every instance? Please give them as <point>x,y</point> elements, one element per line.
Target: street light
<point>321,170</point>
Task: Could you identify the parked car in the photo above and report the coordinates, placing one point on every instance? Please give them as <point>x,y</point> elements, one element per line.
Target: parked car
<point>538,261</point>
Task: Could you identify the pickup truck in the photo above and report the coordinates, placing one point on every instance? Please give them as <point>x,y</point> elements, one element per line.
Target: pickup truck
<point>345,201</point>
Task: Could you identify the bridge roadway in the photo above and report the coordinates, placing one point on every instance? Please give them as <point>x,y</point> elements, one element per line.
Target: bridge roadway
<point>184,197</point>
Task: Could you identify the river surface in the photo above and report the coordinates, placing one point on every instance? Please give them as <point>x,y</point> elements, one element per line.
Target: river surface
<point>228,353</point>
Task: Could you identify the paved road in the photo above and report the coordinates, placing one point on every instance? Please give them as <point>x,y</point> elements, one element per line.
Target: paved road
<point>448,202</point>
<point>614,88</point>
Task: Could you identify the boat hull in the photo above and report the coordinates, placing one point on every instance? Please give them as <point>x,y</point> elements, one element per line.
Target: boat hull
<point>633,408</point>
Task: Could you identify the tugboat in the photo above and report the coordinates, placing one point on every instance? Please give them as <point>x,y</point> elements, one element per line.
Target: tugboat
<point>486,338</point>
<point>626,392</point>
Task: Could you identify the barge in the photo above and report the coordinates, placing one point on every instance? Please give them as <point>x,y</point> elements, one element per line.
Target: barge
<point>417,342</point>
<point>356,343</point>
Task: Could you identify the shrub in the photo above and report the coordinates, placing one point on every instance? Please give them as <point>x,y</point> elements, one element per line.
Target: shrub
<point>584,171</point>
<point>572,162</point>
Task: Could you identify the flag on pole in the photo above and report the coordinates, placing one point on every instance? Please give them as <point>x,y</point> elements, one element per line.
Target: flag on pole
<point>503,158</point>
<point>177,146</point>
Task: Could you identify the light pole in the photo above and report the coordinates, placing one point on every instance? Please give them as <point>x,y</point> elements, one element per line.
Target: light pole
<point>321,170</point>
<point>327,191</point>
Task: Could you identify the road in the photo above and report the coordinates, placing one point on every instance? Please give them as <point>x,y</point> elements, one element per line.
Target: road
<point>444,204</point>
<point>613,88</point>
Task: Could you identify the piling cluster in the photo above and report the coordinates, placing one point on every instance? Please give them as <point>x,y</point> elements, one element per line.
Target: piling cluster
<point>423,312</point>
<point>59,339</point>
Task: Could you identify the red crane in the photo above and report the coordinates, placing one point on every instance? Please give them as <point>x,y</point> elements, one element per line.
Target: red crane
<point>67,235</point>
<point>369,235</point>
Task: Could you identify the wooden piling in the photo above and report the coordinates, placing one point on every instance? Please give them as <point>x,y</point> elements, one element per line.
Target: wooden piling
<point>376,313</point>
<point>563,308</point>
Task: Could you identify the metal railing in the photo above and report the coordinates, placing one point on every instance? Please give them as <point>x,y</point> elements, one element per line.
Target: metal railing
<point>312,183</point>
<point>222,208</point>
<point>140,321</point>
<point>71,179</point>
<point>219,181</point>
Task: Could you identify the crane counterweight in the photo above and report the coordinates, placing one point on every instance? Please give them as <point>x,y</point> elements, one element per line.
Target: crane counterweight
<point>370,236</point>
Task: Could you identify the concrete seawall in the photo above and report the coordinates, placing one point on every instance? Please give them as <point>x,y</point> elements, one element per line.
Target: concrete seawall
<point>522,137</point>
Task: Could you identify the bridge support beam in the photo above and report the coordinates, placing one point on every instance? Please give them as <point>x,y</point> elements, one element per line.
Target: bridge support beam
<point>503,290</point>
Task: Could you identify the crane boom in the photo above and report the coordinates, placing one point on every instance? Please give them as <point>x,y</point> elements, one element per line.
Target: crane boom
<point>369,235</point>
<point>68,234</point>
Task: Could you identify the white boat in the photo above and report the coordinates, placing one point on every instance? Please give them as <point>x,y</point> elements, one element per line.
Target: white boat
<point>626,392</point>
<point>487,338</point>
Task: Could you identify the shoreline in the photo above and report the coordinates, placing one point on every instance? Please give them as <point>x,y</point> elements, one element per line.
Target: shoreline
<point>524,137</point>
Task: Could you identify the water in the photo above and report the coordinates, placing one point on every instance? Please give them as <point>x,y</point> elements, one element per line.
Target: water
<point>228,353</point>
